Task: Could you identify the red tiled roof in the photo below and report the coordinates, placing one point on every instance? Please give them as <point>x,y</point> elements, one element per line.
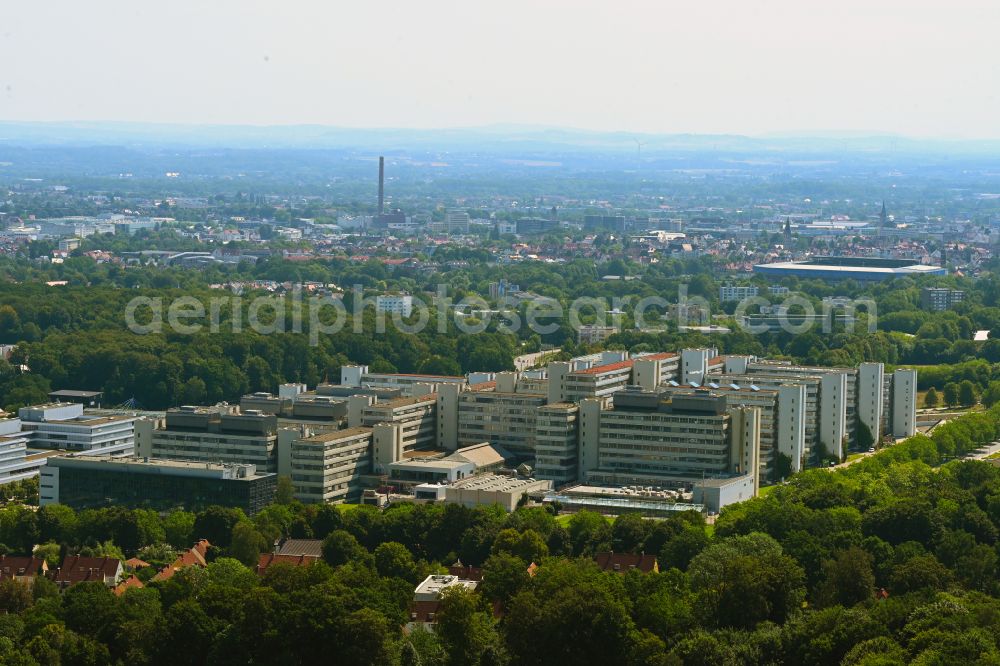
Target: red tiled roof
<point>267,559</point>
<point>601,369</point>
<point>195,557</point>
<point>78,569</point>
<point>27,565</point>
<point>136,563</point>
<point>129,582</point>
<point>483,386</point>
<point>662,356</point>
<point>622,562</point>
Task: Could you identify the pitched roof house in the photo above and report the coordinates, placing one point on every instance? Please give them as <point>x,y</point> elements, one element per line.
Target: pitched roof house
<point>78,569</point>
<point>622,562</point>
<point>22,568</point>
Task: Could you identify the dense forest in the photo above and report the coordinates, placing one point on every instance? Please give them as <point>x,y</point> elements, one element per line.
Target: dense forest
<point>75,336</point>
<point>892,560</point>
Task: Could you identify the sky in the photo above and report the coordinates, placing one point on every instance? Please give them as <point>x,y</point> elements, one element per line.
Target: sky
<point>912,67</point>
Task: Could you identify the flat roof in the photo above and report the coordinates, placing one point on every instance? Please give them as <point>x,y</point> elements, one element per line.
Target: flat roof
<point>334,435</point>
<point>601,369</point>
<point>563,406</point>
<point>424,463</point>
<point>75,394</point>
<point>847,270</point>
<point>161,464</point>
<point>405,402</point>
<point>616,502</point>
<point>495,482</point>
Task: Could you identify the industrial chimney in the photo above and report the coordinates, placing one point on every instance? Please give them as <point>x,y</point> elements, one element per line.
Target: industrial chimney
<point>381,184</point>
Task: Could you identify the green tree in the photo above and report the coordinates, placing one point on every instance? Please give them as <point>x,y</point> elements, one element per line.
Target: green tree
<point>286,490</point>
<point>15,596</point>
<point>216,524</point>
<point>931,398</point>
<point>681,549</point>
<point>504,575</point>
<point>628,533</point>
<point>527,545</point>
<point>340,547</point>
<point>178,529</point>
<point>247,543</point>
<point>966,393</point>
<point>571,612</point>
<point>50,552</point>
<point>394,560</point>
<point>465,630</point>
<point>848,579</point>
<point>991,395</point>
<point>745,580</point>
<point>56,522</point>
<point>951,394</point>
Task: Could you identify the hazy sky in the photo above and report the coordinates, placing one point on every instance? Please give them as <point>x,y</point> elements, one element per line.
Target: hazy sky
<point>744,66</point>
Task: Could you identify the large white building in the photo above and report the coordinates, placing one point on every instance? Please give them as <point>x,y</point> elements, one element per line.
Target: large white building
<point>358,376</point>
<point>65,426</point>
<point>399,304</point>
<point>645,440</point>
<point>731,292</point>
<point>14,462</point>
<point>325,467</point>
<point>211,435</point>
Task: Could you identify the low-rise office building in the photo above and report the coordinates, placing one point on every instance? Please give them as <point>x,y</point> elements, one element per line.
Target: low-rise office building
<point>937,299</point>
<point>14,462</point>
<point>647,501</point>
<point>87,482</point>
<point>731,292</point>
<point>358,376</point>
<point>65,426</point>
<point>487,489</point>
<point>398,304</point>
<point>591,334</point>
<point>479,458</point>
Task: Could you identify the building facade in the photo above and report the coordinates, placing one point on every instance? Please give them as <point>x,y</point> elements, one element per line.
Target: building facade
<point>85,482</point>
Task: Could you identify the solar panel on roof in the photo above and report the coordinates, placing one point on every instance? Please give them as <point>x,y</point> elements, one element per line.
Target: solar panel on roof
<point>673,383</point>
<point>754,388</point>
<point>734,386</point>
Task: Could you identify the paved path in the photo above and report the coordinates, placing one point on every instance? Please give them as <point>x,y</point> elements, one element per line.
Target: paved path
<point>984,452</point>
<point>851,461</point>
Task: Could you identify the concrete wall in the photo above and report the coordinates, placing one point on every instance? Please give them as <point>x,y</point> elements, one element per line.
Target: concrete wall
<point>904,403</point>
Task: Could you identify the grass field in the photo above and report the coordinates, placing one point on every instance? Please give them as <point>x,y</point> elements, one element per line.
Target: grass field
<point>566,517</point>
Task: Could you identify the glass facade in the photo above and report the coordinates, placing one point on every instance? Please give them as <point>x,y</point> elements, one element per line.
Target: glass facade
<point>83,488</point>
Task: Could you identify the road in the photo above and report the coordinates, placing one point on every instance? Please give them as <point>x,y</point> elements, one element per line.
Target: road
<point>851,461</point>
<point>984,452</point>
